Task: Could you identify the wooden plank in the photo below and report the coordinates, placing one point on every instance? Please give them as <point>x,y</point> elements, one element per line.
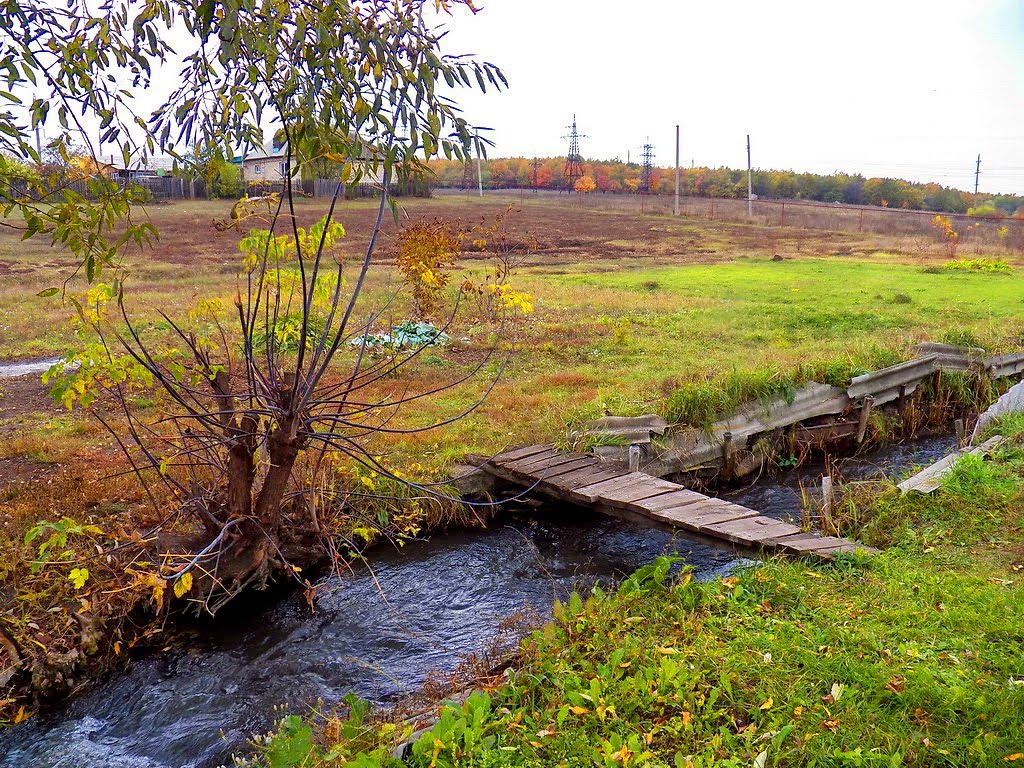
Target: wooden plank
<point>645,489</point>
<point>572,466</point>
<point>595,491</point>
<point>930,478</point>
<point>804,543</point>
<point>537,459</point>
<point>524,465</point>
<point>718,506</point>
<point>752,530</point>
<point>694,517</point>
<point>687,510</point>
<point>591,473</point>
<point>533,464</point>
<point>519,453</point>
<point>677,498</point>
<point>583,479</point>
<point>585,476</point>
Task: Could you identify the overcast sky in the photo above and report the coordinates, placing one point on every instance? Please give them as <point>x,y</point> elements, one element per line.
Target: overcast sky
<point>900,88</point>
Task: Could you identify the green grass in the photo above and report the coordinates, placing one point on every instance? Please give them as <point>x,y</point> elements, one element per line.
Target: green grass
<point>710,337</point>
<point>909,658</point>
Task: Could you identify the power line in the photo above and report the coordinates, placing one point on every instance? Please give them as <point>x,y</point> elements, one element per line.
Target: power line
<point>648,167</point>
<point>574,160</point>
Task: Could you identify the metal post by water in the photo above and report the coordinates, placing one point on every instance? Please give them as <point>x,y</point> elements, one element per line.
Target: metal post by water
<point>634,458</point>
<point>826,504</point>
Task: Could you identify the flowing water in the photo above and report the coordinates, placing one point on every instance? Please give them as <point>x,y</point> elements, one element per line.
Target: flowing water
<point>378,635</point>
<point>24,368</point>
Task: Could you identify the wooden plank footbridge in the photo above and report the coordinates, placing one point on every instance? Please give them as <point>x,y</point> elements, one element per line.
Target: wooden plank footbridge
<point>585,480</point>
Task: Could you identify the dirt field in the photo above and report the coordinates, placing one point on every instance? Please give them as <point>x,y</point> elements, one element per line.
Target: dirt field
<point>567,232</point>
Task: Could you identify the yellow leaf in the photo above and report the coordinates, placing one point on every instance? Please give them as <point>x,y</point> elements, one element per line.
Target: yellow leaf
<point>668,651</point>
<point>1010,759</point>
<point>78,577</point>
<point>21,716</point>
<point>182,584</point>
<point>768,704</point>
<point>579,710</point>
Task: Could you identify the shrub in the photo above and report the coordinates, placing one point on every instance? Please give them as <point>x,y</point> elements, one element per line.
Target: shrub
<point>950,237</point>
<point>978,265</point>
<point>426,252</point>
<point>228,182</point>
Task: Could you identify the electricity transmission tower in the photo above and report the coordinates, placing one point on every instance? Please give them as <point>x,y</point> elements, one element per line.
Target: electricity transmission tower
<point>648,166</point>
<point>536,167</point>
<point>467,175</point>
<point>574,160</point>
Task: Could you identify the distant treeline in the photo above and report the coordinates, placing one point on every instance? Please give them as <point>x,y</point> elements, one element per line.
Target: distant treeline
<point>616,176</point>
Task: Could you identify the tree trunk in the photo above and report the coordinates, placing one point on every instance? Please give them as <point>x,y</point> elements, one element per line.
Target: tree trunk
<point>283,449</point>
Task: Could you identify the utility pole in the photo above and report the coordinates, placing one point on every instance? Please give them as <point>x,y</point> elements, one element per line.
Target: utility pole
<point>675,205</point>
<point>479,166</point>
<point>977,173</point>
<point>750,186</point>
<point>648,168</point>
<point>574,160</point>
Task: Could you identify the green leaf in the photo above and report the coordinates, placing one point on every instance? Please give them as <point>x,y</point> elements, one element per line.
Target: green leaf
<point>291,745</point>
<point>48,292</point>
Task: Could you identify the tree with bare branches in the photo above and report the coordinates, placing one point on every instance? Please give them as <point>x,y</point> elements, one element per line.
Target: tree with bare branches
<point>260,399</point>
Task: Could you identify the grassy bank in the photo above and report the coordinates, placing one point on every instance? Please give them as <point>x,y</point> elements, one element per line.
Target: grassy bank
<point>910,658</point>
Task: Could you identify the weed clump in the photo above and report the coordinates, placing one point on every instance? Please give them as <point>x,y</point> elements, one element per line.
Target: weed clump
<point>960,337</point>
<point>700,403</point>
<point>978,265</point>
<point>901,298</point>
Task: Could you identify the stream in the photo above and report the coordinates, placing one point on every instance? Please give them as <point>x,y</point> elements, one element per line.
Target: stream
<point>423,609</point>
<point>10,370</point>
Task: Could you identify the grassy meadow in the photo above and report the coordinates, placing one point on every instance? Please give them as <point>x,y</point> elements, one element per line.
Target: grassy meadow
<point>632,314</point>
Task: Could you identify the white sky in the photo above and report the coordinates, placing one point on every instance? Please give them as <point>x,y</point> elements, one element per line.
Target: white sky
<point>901,88</point>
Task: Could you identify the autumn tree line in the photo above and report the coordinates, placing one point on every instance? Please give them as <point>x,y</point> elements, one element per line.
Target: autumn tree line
<point>615,176</point>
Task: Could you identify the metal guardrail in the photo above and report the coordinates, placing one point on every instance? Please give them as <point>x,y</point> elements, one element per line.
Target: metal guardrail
<point>952,358</point>
<point>1001,366</point>
<point>629,429</point>
<point>890,383</point>
<point>693,448</point>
